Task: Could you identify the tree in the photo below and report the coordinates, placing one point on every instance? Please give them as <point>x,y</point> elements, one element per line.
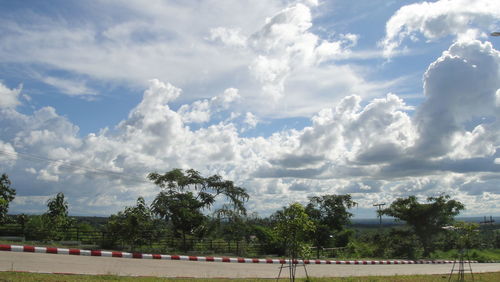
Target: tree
<point>57,206</point>
<point>233,226</point>
<point>22,219</point>
<point>7,195</point>
<point>330,215</point>
<point>182,210</point>
<point>292,226</point>
<point>134,225</point>
<point>56,217</point>
<point>427,220</point>
<point>468,234</point>
<point>185,194</point>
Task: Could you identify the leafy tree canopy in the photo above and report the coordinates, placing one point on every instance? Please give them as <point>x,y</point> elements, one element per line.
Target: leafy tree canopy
<point>134,225</point>
<point>426,219</point>
<point>292,226</point>
<point>7,195</point>
<point>185,194</point>
<point>330,214</point>
<point>205,189</point>
<point>331,210</point>
<point>57,206</point>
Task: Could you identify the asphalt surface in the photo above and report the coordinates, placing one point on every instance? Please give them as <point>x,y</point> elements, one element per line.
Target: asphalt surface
<point>53,263</point>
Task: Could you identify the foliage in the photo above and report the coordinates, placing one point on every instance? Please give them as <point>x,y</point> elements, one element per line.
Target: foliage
<point>57,206</point>
<point>22,219</point>
<point>481,255</point>
<point>7,195</point>
<point>133,226</point>
<point>268,240</point>
<point>37,228</point>
<point>467,234</point>
<point>292,227</point>
<point>234,227</point>
<point>392,243</point>
<point>56,219</point>
<point>426,220</point>
<point>184,195</point>
<point>330,215</point>
<point>342,238</point>
<point>52,225</point>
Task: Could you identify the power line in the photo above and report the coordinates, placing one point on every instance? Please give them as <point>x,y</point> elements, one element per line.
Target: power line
<point>68,164</point>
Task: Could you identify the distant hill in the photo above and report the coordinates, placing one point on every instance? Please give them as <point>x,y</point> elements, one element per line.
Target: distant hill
<point>391,221</point>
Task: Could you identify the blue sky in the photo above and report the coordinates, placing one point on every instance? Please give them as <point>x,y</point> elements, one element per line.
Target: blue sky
<point>290,99</point>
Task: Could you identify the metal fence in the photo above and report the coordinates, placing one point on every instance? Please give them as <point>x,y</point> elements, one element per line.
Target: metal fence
<point>76,237</point>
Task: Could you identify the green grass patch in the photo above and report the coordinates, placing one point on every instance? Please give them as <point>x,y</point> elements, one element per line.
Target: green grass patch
<point>19,276</point>
<point>486,255</point>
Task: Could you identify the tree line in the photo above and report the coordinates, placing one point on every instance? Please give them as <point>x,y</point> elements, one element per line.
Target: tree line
<point>190,205</point>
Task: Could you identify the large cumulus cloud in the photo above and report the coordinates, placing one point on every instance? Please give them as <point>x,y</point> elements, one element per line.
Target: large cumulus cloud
<point>434,20</point>
<point>375,150</point>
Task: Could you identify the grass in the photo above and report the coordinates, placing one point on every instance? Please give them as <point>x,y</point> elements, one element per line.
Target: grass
<point>485,255</point>
<point>20,276</point>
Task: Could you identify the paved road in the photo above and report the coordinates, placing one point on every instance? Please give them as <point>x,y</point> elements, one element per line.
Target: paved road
<point>36,262</point>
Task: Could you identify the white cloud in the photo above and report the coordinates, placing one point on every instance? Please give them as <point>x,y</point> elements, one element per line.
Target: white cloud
<point>8,154</point>
<point>69,87</point>
<point>441,18</point>
<point>202,110</point>
<point>460,87</point>
<point>285,45</point>
<point>367,144</point>
<point>348,148</point>
<point>270,48</point>
<point>251,120</point>
<point>9,98</point>
<point>45,175</point>
<point>228,36</point>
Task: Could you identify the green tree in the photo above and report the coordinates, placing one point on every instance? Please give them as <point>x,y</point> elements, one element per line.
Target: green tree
<point>57,206</point>
<point>22,219</point>
<point>56,217</point>
<point>330,215</point>
<point>134,226</point>
<point>234,226</point>
<point>426,219</point>
<point>185,194</point>
<point>468,234</point>
<point>182,210</point>
<point>292,227</point>
<point>7,195</point>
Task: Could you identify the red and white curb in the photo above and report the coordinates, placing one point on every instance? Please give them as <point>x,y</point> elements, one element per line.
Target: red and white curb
<point>98,253</point>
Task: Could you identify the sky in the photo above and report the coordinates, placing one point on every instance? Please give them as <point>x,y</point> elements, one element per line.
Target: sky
<point>289,99</point>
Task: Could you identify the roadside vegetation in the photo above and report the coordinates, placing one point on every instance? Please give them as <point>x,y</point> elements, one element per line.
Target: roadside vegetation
<point>197,215</point>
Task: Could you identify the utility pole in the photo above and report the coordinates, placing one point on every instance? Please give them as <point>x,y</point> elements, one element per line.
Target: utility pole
<point>379,206</point>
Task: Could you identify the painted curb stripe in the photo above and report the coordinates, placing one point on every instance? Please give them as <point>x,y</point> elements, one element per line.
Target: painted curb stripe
<point>114,254</point>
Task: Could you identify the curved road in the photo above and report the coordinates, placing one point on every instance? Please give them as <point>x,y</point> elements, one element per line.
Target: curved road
<point>37,262</point>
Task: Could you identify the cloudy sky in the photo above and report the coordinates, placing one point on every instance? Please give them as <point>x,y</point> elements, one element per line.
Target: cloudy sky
<point>290,99</point>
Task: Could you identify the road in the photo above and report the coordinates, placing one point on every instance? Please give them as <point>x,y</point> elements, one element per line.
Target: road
<point>37,262</point>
